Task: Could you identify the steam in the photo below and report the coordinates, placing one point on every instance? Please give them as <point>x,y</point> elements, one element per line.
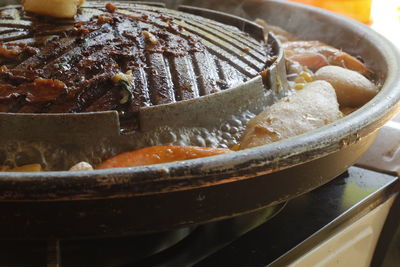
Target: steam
<point>234,7</point>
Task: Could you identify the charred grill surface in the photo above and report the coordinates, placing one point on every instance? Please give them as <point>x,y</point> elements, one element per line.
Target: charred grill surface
<point>63,66</point>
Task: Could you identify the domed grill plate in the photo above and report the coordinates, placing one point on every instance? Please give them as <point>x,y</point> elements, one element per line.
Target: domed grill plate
<point>196,81</point>
<point>189,56</point>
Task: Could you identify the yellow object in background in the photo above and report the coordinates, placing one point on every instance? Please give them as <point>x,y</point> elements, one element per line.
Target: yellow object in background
<point>356,9</point>
<point>25,168</point>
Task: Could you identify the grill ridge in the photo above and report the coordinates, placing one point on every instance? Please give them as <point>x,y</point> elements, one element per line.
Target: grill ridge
<point>216,47</point>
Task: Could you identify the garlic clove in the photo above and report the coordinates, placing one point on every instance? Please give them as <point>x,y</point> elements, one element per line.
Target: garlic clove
<point>53,8</point>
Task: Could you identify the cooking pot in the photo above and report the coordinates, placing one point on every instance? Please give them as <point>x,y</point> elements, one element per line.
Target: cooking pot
<point>160,197</point>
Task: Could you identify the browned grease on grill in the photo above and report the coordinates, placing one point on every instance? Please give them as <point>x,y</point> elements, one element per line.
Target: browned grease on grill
<point>101,48</point>
<point>169,62</point>
<point>38,91</point>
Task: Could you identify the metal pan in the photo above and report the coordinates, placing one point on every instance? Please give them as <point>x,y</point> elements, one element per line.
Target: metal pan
<point>162,111</point>
<point>154,198</point>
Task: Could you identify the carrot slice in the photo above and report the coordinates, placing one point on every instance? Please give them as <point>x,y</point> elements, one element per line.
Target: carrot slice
<point>160,154</point>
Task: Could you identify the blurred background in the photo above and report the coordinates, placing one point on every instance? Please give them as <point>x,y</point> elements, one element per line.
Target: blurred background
<point>381,15</point>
